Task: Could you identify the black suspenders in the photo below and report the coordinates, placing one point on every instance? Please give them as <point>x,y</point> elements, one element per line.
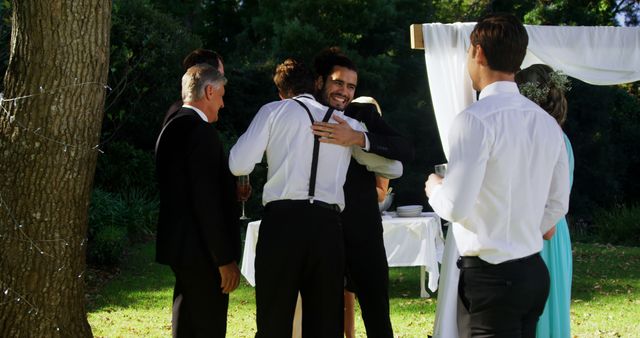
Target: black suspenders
<point>316,150</point>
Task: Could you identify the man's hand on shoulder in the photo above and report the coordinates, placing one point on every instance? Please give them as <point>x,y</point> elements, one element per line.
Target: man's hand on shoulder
<point>340,133</point>
<point>230,276</point>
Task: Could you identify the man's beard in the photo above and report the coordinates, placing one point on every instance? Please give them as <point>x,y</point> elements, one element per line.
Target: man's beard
<point>320,95</point>
<point>323,97</point>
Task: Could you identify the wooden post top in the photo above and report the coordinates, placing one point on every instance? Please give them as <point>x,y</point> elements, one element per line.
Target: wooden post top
<point>417,41</point>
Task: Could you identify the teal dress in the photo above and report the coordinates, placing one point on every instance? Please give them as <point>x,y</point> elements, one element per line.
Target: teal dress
<point>556,253</point>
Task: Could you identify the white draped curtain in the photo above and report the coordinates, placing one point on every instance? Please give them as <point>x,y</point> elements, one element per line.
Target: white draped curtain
<point>596,55</point>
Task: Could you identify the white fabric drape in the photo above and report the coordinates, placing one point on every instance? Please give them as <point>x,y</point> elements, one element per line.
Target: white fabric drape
<point>596,55</point>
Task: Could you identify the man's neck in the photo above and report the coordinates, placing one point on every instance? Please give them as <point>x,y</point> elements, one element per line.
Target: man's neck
<point>198,105</point>
<point>491,76</point>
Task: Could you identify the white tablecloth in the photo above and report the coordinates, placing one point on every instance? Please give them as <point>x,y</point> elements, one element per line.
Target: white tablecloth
<point>408,241</point>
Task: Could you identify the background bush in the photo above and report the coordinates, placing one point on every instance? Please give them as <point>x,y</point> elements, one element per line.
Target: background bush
<point>115,220</point>
<point>123,167</point>
<point>107,246</point>
<point>620,225</point>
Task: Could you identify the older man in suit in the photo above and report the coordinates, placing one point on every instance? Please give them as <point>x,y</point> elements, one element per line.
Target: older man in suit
<point>198,231</point>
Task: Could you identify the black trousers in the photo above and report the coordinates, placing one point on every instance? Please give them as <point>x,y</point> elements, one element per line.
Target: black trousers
<point>368,274</point>
<point>501,300</point>
<point>300,248</point>
<point>203,310</point>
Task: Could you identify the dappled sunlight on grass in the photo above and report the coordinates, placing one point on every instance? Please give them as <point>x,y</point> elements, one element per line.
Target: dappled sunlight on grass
<point>605,270</point>
<point>606,291</point>
<point>606,298</point>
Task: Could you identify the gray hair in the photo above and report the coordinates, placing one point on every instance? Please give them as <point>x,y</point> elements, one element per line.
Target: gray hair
<point>197,78</point>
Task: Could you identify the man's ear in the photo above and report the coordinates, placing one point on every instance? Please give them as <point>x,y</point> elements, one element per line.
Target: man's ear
<point>319,83</point>
<point>480,57</point>
<point>208,91</point>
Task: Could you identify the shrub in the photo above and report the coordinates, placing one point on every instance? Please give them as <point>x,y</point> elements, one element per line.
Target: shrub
<point>107,228</point>
<point>115,219</point>
<point>108,245</point>
<point>123,167</point>
<point>619,226</point>
<point>142,213</point>
<point>106,209</point>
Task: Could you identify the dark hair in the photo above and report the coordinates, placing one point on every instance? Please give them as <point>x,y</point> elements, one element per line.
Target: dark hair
<point>201,55</point>
<point>554,102</point>
<point>328,58</point>
<point>293,78</point>
<point>503,39</point>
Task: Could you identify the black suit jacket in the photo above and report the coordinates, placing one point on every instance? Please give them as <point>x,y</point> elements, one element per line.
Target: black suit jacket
<point>198,223</point>
<point>361,214</point>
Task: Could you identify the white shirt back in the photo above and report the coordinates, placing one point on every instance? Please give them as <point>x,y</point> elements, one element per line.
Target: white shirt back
<point>507,180</point>
<point>283,130</point>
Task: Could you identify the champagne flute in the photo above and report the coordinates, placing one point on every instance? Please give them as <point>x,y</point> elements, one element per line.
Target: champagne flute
<point>244,190</point>
<point>441,169</point>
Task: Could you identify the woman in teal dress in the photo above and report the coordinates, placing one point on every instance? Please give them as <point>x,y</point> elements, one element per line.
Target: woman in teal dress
<point>542,85</point>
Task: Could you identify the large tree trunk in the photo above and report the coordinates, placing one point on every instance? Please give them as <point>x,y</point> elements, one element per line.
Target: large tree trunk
<point>58,64</point>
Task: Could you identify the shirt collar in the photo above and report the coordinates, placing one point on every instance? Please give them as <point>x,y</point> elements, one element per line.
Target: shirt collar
<point>499,87</point>
<point>306,96</point>
<point>200,113</point>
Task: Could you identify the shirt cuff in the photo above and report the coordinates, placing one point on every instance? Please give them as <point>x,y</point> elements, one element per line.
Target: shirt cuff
<point>435,191</point>
<point>367,146</point>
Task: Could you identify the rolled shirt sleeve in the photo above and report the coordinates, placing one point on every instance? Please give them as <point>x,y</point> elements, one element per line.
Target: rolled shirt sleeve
<point>251,146</point>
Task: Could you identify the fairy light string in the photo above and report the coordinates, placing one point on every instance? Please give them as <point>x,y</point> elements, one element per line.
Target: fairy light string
<point>37,131</point>
<point>8,291</point>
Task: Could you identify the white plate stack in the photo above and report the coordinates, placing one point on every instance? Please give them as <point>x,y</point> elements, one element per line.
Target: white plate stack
<point>409,210</point>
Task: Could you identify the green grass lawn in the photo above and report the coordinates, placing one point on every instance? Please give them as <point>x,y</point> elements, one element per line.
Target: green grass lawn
<point>606,298</point>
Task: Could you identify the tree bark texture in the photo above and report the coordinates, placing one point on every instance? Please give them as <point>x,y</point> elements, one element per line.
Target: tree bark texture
<point>50,122</point>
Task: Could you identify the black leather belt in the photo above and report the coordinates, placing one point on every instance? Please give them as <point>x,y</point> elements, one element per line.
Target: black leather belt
<point>470,262</point>
<point>290,203</point>
<point>332,207</point>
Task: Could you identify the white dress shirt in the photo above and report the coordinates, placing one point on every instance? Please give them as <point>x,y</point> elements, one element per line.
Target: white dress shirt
<point>507,180</point>
<point>283,130</point>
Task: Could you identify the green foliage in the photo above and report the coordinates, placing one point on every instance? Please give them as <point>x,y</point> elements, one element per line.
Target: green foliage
<point>147,48</point>
<point>625,133</point>
<point>604,134</point>
<point>107,246</point>
<point>106,209</point>
<point>115,219</point>
<point>535,12</point>
<point>107,232</point>
<point>142,213</point>
<point>588,127</point>
<point>573,13</point>
<point>619,225</point>
<point>123,167</point>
